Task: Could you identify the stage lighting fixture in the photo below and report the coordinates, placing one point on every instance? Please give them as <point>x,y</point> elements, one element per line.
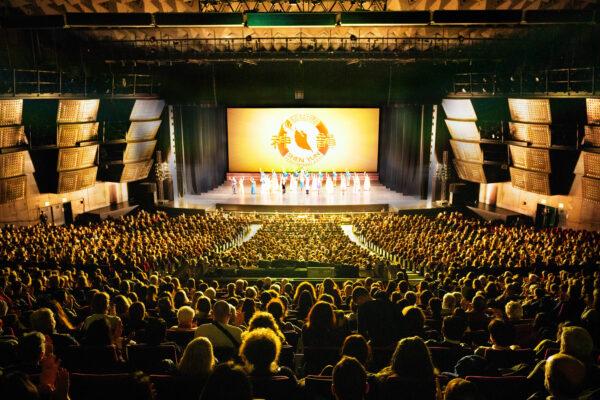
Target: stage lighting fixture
<point>590,189</point>
<point>593,111</point>
<point>530,158</point>
<point>12,189</point>
<point>460,109</point>
<point>592,135</point>
<point>77,110</point>
<point>11,112</point>
<point>463,130</point>
<point>530,110</point>
<point>537,134</point>
<point>591,164</point>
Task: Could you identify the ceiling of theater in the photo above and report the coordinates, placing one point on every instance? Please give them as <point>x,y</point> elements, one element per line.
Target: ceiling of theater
<point>49,7</point>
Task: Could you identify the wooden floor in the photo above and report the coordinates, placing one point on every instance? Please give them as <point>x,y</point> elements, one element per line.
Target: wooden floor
<point>370,200</point>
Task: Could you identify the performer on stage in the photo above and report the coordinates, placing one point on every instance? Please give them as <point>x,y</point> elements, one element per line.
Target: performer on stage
<point>319,182</point>
<point>356,183</point>
<point>234,185</point>
<point>367,182</point>
<point>328,184</point>
<point>283,181</point>
<point>343,183</point>
<point>334,174</point>
<point>252,186</point>
<point>242,190</point>
<point>302,180</point>
<point>274,182</point>
<point>293,182</point>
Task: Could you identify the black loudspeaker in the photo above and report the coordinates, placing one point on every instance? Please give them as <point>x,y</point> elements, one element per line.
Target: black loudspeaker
<point>464,194</point>
<point>143,193</point>
<point>546,216</point>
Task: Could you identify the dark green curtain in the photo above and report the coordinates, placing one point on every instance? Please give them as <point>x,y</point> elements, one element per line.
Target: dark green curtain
<point>403,152</point>
<point>203,134</point>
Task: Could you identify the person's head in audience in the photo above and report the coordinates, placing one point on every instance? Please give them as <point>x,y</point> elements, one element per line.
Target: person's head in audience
<point>202,307</point>
<point>321,317</point>
<point>98,333</point>
<point>260,351</point>
<point>412,360</point>
<point>479,304</point>
<point>137,312</point>
<point>156,331</point>
<point>349,380</point>
<point>100,303</point>
<point>514,310</point>
<point>577,342</point>
<point>276,308</point>
<point>142,387</point>
<point>448,302</point>
<point>32,347</point>
<point>502,334</point>
<point>185,317</point>
<point>197,359</point>
<point>564,377</point>
<point>435,307</point>
<point>360,295</point>
<point>357,346</point>
<point>227,382</point>
<point>221,312</point>
<point>414,320</point>
<point>263,319</point>
<point>453,328</point>
<point>461,389</point>
<point>42,320</point>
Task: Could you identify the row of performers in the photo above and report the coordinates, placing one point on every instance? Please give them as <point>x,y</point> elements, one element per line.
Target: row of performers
<point>303,181</point>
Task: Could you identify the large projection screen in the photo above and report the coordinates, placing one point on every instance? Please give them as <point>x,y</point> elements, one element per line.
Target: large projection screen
<point>312,139</point>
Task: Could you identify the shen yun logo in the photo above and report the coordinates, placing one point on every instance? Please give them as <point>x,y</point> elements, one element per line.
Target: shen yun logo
<point>303,140</point>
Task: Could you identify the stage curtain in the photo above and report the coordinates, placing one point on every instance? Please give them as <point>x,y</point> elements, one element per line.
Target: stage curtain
<point>203,133</point>
<point>402,150</point>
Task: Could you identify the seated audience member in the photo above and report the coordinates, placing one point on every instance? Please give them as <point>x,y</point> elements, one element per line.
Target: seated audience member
<point>502,336</point>
<point>166,310</point>
<point>349,380</point>
<point>219,332</point>
<point>203,311</point>
<point>185,318</point>
<point>197,360</point>
<point>320,329</point>
<point>461,389</point>
<point>277,309</point>
<point>355,346</point>
<point>31,351</point>
<point>514,311</point>
<point>448,304</point>
<point>136,323</point>
<point>42,320</point>
<point>263,319</point>
<point>260,355</point>
<point>413,321</point>
<point>99,308</point>
<point>227,382</point>
<point>377,319</point>
<point>476,317</point>
<point>564,377</point>
<point>410,372</point>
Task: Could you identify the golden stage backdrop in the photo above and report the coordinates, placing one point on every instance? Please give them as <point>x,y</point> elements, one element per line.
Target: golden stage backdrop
<point>314,139</point>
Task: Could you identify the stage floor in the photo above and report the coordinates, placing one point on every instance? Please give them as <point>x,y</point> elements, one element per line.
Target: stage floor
<point>379,195</point>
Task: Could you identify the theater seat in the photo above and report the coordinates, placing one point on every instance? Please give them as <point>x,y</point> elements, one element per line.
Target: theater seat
<point>315,358</point>
<point>394,387</point>
<point>181,337</point>
<point>92,359</point>
<point>101,387</point>
<point>500,388</point>
<point>169,387</point>
<point>445,358</point>
<point>318,387</point>
<point>381,357</point>
<point>276,387</point>
<point>150,358</point>
<point>223,354</point>
<point>509,358</point>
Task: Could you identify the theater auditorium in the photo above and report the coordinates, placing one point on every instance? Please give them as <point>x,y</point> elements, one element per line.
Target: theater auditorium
<point>299,200</point>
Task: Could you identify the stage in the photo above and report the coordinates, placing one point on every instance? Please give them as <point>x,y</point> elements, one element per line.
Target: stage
<point>376,199</point>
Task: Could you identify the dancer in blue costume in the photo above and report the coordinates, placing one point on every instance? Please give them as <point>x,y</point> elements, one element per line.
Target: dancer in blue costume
<point>252,186</point>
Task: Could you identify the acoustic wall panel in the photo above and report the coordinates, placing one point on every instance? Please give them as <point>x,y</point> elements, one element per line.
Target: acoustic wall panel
<point>463,130</point>
<point>69,135</point>
<point>77,110</point>
<point>139,151</point>
<point>467,151</point>
<point>11,112</point>
<point>12,164</point>
<point>461,109</point>
<point>530,110</point>
<point>593,111</point>
<point>590,189</point>
<point>537,134</point>
<point>12,136</point>
<point>71,181</point>
<point>142,130</point>
<point>76,157</point>
<point>530,181</point>
<point>531,158</point>
<point>12,189</point>
<point>145,110</point>
<point>591,164</point>
<point>592,135</point>
<point>136,171</point>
